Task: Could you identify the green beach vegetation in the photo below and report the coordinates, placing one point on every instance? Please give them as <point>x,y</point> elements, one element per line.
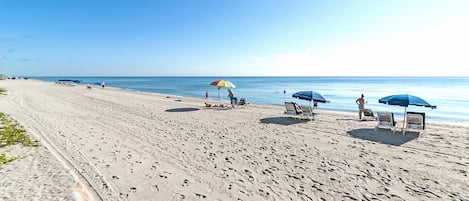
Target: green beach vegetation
<point>4,159</point>
<point>11,133</point>
<point>2,90</point>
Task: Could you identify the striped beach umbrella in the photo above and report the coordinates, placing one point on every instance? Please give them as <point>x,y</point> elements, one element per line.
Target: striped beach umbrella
<point>222,84</point>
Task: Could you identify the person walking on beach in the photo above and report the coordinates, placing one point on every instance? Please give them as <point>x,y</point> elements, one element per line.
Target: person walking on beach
<point>206,95</point>
<point>103,84</point>
<point>361,105</point>
<point>233,98</point>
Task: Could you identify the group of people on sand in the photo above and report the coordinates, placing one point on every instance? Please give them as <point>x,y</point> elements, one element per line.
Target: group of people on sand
<point>233,99</point>
<point>215,105</point>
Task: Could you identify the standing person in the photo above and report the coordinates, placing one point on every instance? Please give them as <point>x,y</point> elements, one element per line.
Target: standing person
<point>233,98</point>
<point>284,94</point>
<point>103,84</point>
<point>206,95</point>
<point>361,105</point>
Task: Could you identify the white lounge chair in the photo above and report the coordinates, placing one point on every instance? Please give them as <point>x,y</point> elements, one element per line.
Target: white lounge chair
<point>386,121</point>
<point>415,121</point>
<point>308,112</point>
<point>291,108</point>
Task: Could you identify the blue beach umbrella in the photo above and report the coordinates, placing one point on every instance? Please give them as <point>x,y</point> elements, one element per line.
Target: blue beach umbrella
<point>405,100</point>
<point>310,96</point>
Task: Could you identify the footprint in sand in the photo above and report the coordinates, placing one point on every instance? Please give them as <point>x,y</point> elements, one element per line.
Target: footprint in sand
<point>133,189</point>
<point>185,182</point>
<point>124,195</point>
<point>164,174</point>
<point>148,177</point>
<point>349,197</point>
<point>155,188</point>
<point>264,193</point>
<point>115,177</point>
<point>266,171</point>
<point>370,164</point>
<point>181,196</point>
<point>198,195</point>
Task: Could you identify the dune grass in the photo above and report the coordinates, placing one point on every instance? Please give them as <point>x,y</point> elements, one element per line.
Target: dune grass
<point>12,133</point>
<point>2,90</point>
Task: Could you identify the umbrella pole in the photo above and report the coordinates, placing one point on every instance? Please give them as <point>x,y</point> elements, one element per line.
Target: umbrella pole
<point>405,116</point>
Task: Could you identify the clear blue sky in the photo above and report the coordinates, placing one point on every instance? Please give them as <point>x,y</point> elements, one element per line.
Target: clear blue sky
<point>234,37</point>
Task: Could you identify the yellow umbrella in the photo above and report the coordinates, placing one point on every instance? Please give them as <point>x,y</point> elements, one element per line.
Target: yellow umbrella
<point>222,83</point>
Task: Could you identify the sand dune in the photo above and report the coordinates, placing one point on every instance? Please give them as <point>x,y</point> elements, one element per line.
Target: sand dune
<point>116,145</point>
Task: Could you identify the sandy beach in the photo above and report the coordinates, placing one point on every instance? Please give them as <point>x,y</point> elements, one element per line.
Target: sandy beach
<point>111,144</point>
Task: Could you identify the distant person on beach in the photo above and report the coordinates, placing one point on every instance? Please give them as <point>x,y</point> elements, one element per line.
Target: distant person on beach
<point>361,105</point>
<point>206,95</point>
<point>103,84</point>
<point>233,98</point>
<point>315,106</point>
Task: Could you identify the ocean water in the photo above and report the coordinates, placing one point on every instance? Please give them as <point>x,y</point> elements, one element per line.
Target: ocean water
<point>450,94</point>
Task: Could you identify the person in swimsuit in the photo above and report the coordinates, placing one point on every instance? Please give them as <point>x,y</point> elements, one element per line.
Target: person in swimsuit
<point>361,105</point>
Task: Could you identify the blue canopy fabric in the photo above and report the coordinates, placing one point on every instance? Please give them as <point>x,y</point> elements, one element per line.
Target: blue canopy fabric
<point>405,100</point>
<point>309,96</point>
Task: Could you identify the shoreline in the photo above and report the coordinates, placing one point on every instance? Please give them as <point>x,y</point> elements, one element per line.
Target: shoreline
<point>449,110</point>
<point>341,112</point>
<point>139,145</point>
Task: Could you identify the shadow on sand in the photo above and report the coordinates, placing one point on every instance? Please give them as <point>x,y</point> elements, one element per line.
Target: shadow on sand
<point>282,120</point>
<point>383,136</point>
<point>186,109</point>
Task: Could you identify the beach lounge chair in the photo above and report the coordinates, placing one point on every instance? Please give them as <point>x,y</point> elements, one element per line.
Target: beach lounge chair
<point>368,113</point>
<point>308,112</point>
<point>415,121</point>
<point>386,121</point>
<point>291,108</point>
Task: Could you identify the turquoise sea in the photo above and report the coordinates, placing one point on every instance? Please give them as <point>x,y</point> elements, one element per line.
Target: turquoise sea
<point>450,94</point>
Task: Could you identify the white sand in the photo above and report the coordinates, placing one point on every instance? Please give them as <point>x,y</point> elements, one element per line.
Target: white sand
<point>135,146</point>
